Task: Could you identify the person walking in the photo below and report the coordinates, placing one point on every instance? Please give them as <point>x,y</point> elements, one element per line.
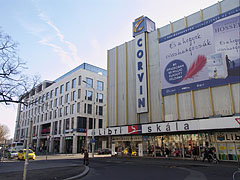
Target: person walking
<point>205,154</point>
<point>85,159</point>
<point>195,153</point>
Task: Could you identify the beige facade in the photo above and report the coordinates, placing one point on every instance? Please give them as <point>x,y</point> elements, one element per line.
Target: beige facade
<point>63,110</point>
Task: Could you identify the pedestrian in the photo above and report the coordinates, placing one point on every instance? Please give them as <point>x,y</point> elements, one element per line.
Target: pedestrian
<point>1,154</point>
<point>85,159</point>
<point>195,153</point>
<point>205,154</point>
<point>130,151</point>
<point>167,152</point>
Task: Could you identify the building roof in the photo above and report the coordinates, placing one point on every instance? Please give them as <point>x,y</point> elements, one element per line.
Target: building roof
<point>85,66</point>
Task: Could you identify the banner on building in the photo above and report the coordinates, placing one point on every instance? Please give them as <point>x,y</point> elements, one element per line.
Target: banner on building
<point>201,56</point>
<point>141,74</point>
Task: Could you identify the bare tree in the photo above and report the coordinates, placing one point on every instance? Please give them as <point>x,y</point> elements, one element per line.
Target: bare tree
<point>13,83</point>
<point>4,132</point>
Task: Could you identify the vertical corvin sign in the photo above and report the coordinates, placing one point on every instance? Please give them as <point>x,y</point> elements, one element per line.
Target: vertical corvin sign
<point>140,26</point>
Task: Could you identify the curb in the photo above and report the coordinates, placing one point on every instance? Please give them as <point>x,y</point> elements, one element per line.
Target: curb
<point>84,173</point>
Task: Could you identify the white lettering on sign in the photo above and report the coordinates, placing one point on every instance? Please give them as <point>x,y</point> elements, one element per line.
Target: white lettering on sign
<point>141,75</point>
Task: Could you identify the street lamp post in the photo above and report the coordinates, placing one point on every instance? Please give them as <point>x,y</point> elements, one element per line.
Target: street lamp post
<point>93,132</point>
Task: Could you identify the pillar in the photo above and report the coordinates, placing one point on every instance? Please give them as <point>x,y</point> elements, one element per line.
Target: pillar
<point>74,149</point>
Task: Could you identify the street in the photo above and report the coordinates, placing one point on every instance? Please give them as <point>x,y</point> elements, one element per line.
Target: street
<point>108,168</point>
<point>145,168</point>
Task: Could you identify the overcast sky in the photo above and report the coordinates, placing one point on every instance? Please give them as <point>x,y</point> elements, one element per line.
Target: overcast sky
<point>65,33</point>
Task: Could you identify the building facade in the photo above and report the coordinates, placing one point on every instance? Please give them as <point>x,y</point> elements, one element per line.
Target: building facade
<point>177,87</point>
<point>58,113</point>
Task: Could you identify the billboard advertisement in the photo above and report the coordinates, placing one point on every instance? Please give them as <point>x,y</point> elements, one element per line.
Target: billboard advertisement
<point>201,56</point>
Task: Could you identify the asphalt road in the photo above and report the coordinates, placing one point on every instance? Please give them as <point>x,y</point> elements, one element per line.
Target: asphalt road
<point>157,169</point>
<point>113,168</point>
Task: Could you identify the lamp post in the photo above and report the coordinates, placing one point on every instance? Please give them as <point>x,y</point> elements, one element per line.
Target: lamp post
<point>93,140</point>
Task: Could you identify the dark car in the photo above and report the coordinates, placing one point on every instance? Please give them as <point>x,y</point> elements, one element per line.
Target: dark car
<point>104,151</point>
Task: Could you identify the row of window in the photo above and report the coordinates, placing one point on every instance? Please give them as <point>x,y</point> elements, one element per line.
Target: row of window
<point>57,126</point>
<point>63,100</point>
<point>49,95</point>
<point>65,111</point>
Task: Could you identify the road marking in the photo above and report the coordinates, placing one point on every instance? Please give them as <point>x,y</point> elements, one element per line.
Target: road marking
<point>194,175</point>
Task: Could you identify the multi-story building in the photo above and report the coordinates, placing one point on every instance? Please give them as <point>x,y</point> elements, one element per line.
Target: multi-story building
<point>60,112</point>
<point>176,88</point>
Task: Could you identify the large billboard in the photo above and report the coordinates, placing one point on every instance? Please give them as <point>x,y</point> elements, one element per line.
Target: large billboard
<point>200,56</point>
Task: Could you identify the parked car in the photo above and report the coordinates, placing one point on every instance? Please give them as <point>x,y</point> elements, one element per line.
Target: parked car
<point>12,154</point>
<point>31,154</point>
<point>104,151</point>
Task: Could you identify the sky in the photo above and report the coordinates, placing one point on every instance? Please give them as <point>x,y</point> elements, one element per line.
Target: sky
<point>55,36</point>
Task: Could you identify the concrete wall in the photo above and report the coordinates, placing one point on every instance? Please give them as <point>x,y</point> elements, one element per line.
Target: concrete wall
<point>189,105</point>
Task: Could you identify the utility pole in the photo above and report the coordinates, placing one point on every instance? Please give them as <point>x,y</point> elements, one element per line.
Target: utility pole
<point>27,150</point>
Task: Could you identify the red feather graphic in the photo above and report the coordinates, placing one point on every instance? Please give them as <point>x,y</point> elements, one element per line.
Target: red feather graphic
<point>196,66</point>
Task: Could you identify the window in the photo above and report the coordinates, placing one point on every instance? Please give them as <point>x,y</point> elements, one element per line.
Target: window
<point>85,94</point>
<point>79,80</point>
<point>96,109</point>
<point>78,107</point>
<point>85,108</point>
<point>90,95</point>
<point>74,95</point>
<point>43,99</point>
<point>51,104</point>
<point>61,100</point>
<point>100,110</point>
<point>60,125</point>
<point>89,82</point>
<point>50,115</point>
<point>73,109</point>
<point>100,123</point>
<point>61,88</point>
<point>90,123</point>
<point>67,86</point>
<point>55,102</point>
<point>100,85</point>
<point>79,93</point>
<point>100,97</point>
<point>56,91</point>
<point>55,114</point>
<point>89,109</point>
<point>66,98</point>
<point>47,95</point>
<point>45,116</point>
<point>72,123</point>
<point>66,110</point>
<point>74,83</point>
<point>51,94</point>
<point>55,127</point>
<point>67,124</point>
<point>46,106</point>
<point>60,112</point>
